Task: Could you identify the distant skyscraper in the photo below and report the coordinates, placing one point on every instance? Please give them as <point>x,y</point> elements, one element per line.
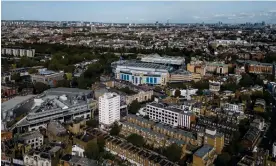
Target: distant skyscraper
<point>93,28</point>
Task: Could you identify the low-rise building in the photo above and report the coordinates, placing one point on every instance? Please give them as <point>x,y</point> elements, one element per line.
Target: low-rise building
<point>133,154</point>
<point>251,137</point>
<point>214,139</point>
<point>246,161</point>
<point>47,77</point>
<point>33,138</point>
<point>72,160</point>
<point>78,150</point>
<point>55,128</point>
<point>172,116</point>
<point>43,156</point>
<point>205,155</point>
<point>259,105</point>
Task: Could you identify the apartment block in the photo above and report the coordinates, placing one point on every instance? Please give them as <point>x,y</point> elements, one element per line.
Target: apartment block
<point>18,52</point>
<point>172,116</point>
<point>214,139</point>
<point>204,156</point>
<point>33,138</point>
<point>109,108</point>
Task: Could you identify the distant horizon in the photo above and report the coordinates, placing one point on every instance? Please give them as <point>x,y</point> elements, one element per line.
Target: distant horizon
<point>139,22</point>
<point>235,12</point>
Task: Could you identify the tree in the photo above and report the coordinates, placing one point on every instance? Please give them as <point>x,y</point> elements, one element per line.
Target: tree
<point>223,159</point>
<point>246,81</point>
<point>63,83</point>
<point>136,140</point>
<point>115,130</point>
<point>16,77</point>
<point>92,150</point>
<point>101,143</point>
<point>134,107</point>
<point>177,93</point>
<point>40,87</point>
<point>173,152</point>
<point>32,71</point>
<point>92,123</point>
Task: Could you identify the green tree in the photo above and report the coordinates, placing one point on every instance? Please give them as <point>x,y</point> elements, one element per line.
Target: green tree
<point>223,159</point>
<point>177,93</point>
<point>40,87</point>
<point>63,83</point>
<point>32,71</point>
<point>173,152</point>
<point>92,150</point>
<point>246,81</point>
<point>134,107</point>
<point>115,130</point>
<point>136,140</point>
<point>16,77</point>
<point>101,143</point>
<point>92,123</point>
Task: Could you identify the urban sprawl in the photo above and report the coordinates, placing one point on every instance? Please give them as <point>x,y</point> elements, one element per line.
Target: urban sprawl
<point>91,94</point>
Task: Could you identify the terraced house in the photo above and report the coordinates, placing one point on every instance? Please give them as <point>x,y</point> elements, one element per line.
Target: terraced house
<point>135,155</point>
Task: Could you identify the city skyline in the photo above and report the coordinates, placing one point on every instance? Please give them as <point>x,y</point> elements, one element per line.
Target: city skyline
<point>141,12</point>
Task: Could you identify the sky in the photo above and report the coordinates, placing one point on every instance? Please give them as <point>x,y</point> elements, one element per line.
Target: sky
<point>141,11</point>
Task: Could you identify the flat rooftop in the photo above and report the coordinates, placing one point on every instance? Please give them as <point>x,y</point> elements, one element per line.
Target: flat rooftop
<point>15,102</point>
<point>201,152</point>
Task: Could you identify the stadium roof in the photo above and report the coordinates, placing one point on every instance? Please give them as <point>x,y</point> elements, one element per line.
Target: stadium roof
<point>155,58</point>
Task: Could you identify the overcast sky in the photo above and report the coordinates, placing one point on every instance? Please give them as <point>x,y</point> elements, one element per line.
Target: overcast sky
<point>141,12</point>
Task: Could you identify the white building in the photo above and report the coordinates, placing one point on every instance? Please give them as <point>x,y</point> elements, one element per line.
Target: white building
<point>77,151</point>
<point>169,115</point>
<point>186,93</point>
<point>18,52</point>
<point>274,150</point>
<point>214,86</point>
<point>238,108</point>
<point>109,108</point>
<point>37,159</point>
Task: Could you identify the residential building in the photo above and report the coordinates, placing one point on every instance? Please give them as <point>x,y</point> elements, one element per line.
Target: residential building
<point>256,67</point>
<point>109,108</point>
<point>33,138</point>
<point>156,133</point>
<point>169,115</point>
<point>259,105</point>
<point>133,154</point>
<point>274,150</point>
<point>237,108</point>
<point>271,86</point>
<point>42,156</point>
<point>246,161</point>
<point>258,123</point>
<point>251,137</point>
<point>77,150</point>
<point>55,128</point>
<point>204,68</point>
<point>205,155</point>
<point>214,139</point>
<point>47,77</point>
<point>214,86</point>
<point>18,52</point>
<point>72,160</point>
